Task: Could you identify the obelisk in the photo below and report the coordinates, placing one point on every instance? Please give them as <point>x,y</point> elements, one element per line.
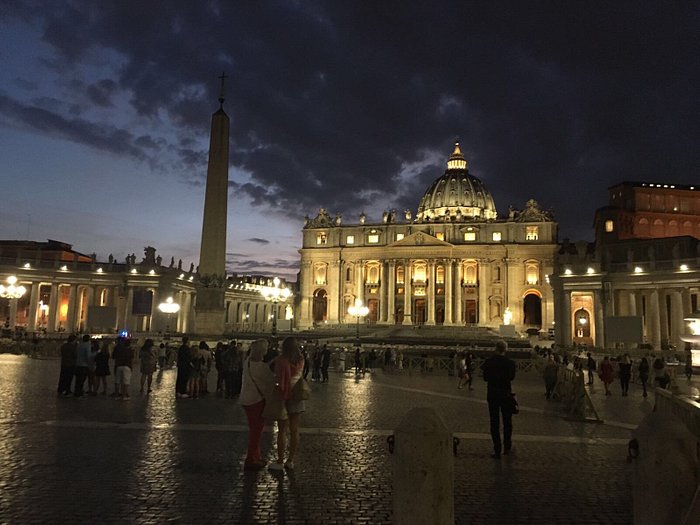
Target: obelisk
<point>209,308</point>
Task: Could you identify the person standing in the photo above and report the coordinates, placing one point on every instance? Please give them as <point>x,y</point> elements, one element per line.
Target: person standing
<point>625,367</point>
<point>325,363</point>
<point>499,371</point>
<point>470,367</point>
<point>69,351</point>
<point>162,355</point>
<point>123,362</point>
<point>288,370</point>
<point>607,374</point>
<point>644,374</point>
<point>183,368</point>
<point>461,366</point>
<point>82,362</point>
<point>102,368</point>
<point>257,379</point>
<point>591,366</point>
<point>148,357</point>
<point>218,364</point>
<point>205,359</point>
<point>92,367</point>
<point>550,377</point>
<point>689,365</point>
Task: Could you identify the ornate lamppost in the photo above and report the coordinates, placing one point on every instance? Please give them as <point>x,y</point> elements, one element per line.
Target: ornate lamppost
<point>13,293</point>
<point>358,310</point>
<point>275,295</point>
<point>169,307</point>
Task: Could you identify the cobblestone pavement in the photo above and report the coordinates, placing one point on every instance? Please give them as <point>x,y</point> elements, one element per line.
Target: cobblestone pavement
<point>155,459</point>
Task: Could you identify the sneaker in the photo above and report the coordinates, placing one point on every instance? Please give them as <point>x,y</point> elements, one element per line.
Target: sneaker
<point>289,465</point>
<point>276,467</point>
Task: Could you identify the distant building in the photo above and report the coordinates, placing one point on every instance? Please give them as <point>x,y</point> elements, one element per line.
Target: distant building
<point>642,270</point>
<point>456,263</point>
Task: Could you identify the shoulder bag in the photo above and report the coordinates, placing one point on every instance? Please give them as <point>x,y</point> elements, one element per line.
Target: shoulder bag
<point>301,390</point>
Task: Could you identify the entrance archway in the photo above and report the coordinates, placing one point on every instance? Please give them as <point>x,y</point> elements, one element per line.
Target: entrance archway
<point>582,324</point>
<point>419,311</point>
<point>320,306</point>
<point>532,309</point>
<point>373,315</point>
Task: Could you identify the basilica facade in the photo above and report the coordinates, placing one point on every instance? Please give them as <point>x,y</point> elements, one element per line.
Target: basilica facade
<point>457,262</point>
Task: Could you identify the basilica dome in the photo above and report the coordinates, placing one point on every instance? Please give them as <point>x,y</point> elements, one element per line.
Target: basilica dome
<point>457,194</point>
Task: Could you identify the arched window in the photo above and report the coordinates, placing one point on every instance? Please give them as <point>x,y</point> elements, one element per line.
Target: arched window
<point>440,274</point>
<point>320,274</point>
<point>657,228</point>
<point>643,227</point>
<point>400,275</point>
<point>532,272</point>
<point>373,274</point>
<point>470,272</point>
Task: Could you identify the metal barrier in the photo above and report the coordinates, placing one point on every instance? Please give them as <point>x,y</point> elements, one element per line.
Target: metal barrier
<point>570,389</point>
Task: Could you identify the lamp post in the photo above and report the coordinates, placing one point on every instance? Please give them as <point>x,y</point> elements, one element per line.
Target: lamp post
<point>358,310</point>
<point>13,293</point>
<point>275,295</point>
<point>169,307</point>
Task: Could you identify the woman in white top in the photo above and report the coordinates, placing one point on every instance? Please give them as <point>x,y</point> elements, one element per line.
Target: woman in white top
<point>257,379</point>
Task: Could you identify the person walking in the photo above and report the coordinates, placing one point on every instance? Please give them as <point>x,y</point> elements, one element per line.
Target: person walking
<point>69,351</point>
<point>607,374</point>
<point>461,367</point>
<point>102,368</point>
<point>82,363</point>
<point>661,376</point>
<point>162,356</point>
<point>183,369</point>
<point>625,368</point>
<point>499,371</point>
<point>288,371</point>
<point>148,356</point>
<point>257,380</point>
<point>643,371</point>
<point>325,363</point>
<point>550,377</point>
<point>591,366</point>
<point>471,366</point>
<point>689,365</point>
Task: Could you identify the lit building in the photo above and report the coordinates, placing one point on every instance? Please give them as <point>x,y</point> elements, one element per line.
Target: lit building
<point>456,263</point>
<point>69,291</point>
<point>639,280</point>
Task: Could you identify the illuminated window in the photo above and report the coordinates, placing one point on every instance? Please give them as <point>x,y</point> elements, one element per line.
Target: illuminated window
<point>440,274</point>
<point>531,233</point>
<point>399,236</point>
<point>470,273</point>
<point>440,236</point>
<point>350,239</point>
<point>373,275</point>
<point>420,272</point>
<point>609,226</point>
<point>399,275</point>
<point>496,236</point>
<point>321,238</point>
<point>469,236</point>
<point>320,274</point>
<point>532,271</point>
<point>373,237</point>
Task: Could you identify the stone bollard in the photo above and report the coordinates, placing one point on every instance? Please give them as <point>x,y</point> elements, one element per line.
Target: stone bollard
<point>423,470</point>
<point>665,475</point>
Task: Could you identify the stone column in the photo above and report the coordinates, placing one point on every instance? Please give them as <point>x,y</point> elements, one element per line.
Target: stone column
<point>72,300</point>
<point>154,324</point>
<point>128,308</point>
<point>360,281</point>
<point>382,292</point>
<point>391,293</point>
<point>654,322</point>
<point>599,319</point>
<point>622,303</point>
<point>33,307</point>
<point>632,304</point>
<point>663,315</point>
<point>566,338</point>
<point>53,307</point>
<point>430,292</point>
<point>677,318</point>
<point>458,294</point>
<point>483,305</point>
<point>407,294</point>
<point>334,297</point>
<point>449,285</point>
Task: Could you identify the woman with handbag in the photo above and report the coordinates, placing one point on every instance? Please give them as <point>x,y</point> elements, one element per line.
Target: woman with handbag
<point>290,391</point>
<point>257,379</point>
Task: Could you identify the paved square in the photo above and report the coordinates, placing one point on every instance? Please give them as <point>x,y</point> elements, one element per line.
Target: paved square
<point>155,459</point>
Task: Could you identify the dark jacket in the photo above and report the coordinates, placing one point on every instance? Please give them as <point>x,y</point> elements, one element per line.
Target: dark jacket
<point>69,353</point>
<point>499,371</point>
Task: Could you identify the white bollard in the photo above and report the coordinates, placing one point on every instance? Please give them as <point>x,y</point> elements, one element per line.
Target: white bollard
<point>423,470</point>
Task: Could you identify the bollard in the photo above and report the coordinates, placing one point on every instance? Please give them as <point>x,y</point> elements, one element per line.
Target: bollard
<point>423,470</point>
<point>666,466</point>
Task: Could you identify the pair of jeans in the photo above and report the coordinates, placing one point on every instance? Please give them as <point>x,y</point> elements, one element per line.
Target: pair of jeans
<point>65,379</point>
<point>500,406</point>
<point>229,380</point>
<point>256,423</point>
<point>81,373</point>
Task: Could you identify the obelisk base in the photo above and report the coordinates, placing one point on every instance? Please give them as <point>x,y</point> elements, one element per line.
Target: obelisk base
<point>209,312</point>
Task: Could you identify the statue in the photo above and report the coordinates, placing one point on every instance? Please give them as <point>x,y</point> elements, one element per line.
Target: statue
<point>511,212</point>
<point>191,267</point>
<point>110,258</point>
<point>363,218</point>
<point>159,260</point>
<point>338,219</point>
<point>172,262</point>
<point>408,214</point>
<point>385,217</point>
<point>93,256</point>
<point>179,264</point>
<point>149,256</point>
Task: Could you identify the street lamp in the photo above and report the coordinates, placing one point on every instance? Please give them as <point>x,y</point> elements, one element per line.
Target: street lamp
<point>13,293</point>
<point>275,295</point>
<point>358,310</point>
<point>169,307</point>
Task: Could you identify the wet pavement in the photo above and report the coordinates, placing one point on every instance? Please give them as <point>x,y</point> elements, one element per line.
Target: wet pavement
<point>154,458</point>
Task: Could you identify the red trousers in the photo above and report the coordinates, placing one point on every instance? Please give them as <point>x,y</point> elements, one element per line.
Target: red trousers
<point>255,424</point>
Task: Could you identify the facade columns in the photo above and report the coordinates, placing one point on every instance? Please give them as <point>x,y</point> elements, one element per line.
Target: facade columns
<point>359,281</point>
<point>333,282</point>
<point>391,293</point>
<point>632,304</point>
<point>72,308</point>
<point>654,322</point>
<point>431,294</point>
<point>407,294</point>
<point>677,318</point>
<point>33,307</point>
<point>663,316</point>
<point>128,307</point>
<point>458,294</point>
<point>599,319</point>
<point>53,307</point>
<point>566,320</point>
<point>382,292</point>
<point>449,268</point>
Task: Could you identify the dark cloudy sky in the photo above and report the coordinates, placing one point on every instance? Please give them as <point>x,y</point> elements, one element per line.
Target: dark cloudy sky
<point>105,108</point>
